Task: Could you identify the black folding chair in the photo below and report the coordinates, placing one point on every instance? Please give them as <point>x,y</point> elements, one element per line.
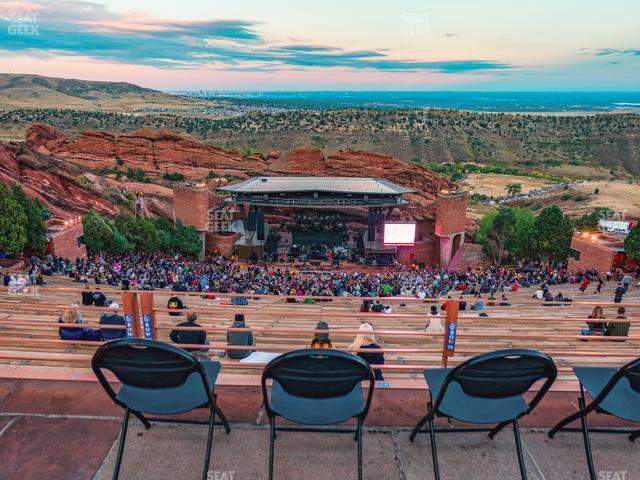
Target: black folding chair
<point>486,389</point>
<point>158,379</point>
<point>614,392</point>
<point>317,387</point>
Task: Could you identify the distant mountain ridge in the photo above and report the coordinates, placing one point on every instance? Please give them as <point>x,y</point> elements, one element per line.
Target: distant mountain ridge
<point>35,91</point>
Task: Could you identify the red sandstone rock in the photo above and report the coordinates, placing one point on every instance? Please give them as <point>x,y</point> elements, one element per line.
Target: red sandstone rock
<point>51,185</point>
<point>159,151</point>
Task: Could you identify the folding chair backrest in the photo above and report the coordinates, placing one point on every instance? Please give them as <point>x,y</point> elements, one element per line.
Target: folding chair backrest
<point>503,373</point>
<point>631,371</point>
<point>318,373</point>
<point>145,363</point>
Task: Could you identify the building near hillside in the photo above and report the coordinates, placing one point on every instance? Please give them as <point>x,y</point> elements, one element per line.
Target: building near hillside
<point>363,220</point>
<point>602,251</point>
<point>64,239</point>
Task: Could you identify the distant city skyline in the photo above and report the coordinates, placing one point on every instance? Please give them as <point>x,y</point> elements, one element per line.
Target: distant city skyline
<point>467,45</point>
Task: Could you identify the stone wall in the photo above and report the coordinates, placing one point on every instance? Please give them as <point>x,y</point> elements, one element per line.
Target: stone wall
<point>592,255</point>
<point>65,243</point>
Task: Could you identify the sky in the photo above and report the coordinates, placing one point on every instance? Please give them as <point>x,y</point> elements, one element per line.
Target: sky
<point>329,45</point>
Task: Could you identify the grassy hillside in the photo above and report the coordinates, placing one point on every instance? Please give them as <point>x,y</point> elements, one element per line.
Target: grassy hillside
<point>33,91</point>
<point>604,145</point>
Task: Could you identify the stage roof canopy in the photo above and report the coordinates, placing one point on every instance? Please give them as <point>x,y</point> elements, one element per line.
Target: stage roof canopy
<point>340,185</point>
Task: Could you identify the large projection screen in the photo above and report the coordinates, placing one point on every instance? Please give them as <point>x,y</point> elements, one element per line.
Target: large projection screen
<point>399,234</point>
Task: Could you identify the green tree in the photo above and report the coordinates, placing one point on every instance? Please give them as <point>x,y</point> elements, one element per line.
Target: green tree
<point>632,243</point>
<point>13,222</point>
<point>520,245</point>
<point>187,240</point>
<point>173,177</point>
<point>500,233</point>
<point>166,232</point>
<point>513,188</point>
<point>36,230</point>
<point>97,233</point>
<point>140,233</point>
<point>118,243</point>
<point>552,233</point>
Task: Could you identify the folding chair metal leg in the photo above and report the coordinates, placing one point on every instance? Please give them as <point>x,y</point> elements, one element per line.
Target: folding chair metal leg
<point>123,437</point>
<point>516,433</point>
<point>359,449</point>
<point>579,414</point>
<point>272,439</point>
<point>142,418</point>
<point>207,457</point>
<point>497,428</point>
<point>432,435</point>
<point>418,427</point>
<point>221,416</point>
<point>587,441</point>
<point>634,436</point>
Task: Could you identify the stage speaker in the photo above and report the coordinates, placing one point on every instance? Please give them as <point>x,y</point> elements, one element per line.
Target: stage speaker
<point>371,229</point>
<point>251,220</point>
<point>260,224</point>
<point>380,224</point>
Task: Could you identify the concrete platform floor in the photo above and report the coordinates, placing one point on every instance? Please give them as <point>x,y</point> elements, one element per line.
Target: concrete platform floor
<point>84,447</point>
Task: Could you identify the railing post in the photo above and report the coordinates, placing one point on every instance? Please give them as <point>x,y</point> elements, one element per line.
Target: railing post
<point>148,316</point>
<point>450,331</point>
<point>131,313</point>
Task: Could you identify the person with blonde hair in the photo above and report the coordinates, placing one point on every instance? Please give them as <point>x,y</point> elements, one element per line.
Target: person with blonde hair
<point>71,316</point>
<point>367,339</point>
<point>595,328</point>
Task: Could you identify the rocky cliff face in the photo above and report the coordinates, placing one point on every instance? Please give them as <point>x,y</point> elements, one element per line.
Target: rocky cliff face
<point>62,171</point>
<point>51,181</point>
<point>152,151</point>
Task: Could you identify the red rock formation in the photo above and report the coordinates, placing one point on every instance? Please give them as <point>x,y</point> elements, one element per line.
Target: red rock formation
<point>153,151</point>
<point>42,178</point>
<point>158,151</point>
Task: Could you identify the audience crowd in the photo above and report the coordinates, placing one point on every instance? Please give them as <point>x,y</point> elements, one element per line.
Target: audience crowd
<point>218,274</point>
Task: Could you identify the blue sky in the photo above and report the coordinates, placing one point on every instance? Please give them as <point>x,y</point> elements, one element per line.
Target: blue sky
<point>286,45</point>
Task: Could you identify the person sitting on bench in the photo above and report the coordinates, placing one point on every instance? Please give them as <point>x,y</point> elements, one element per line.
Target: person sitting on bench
<point>366,339</point>
<point>99,299</point>
<point>618,329</point>
<point>87,296</point>
<point>190,337</point>
<point>71,316</point>
<point>175,303</point>
<point>377,307</point>
<point>595,328</point>
<point>237,339</point>
<point>112,318</point>
<point>321,340</point>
